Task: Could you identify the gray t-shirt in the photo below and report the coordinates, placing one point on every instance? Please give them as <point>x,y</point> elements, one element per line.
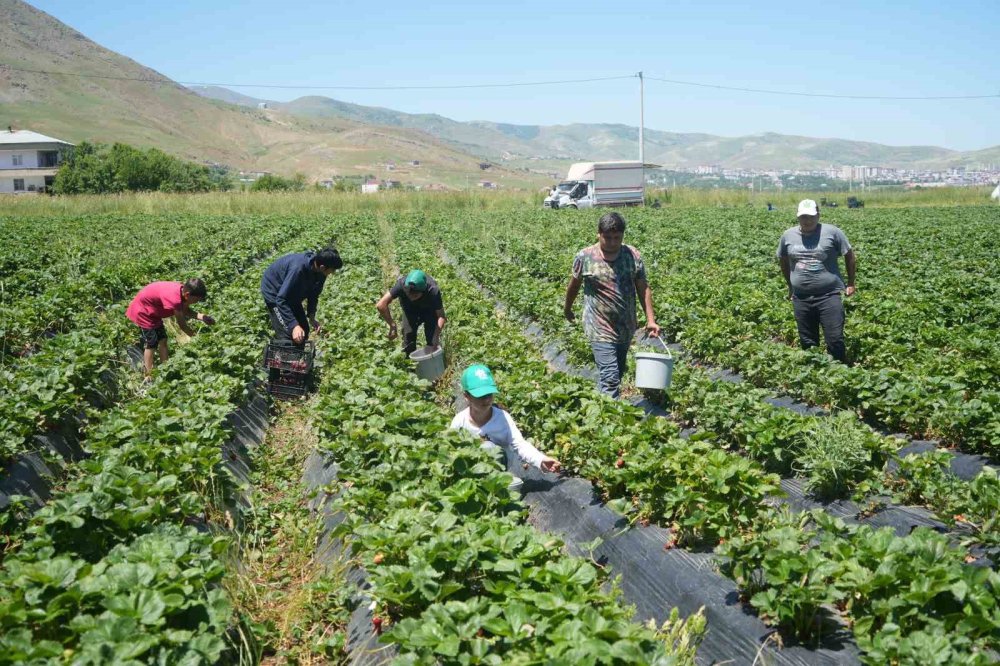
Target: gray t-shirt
<point>813,259</point>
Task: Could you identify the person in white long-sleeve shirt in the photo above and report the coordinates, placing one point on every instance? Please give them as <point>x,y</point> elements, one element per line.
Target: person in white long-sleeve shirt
<point>486,420</point>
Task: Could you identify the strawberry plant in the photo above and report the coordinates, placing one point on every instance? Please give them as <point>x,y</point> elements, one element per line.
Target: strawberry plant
<point>456,574</point>
<point>80,577</point>
<point>925,340</point>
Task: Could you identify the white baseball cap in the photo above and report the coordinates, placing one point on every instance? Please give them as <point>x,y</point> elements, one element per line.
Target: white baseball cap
<point>807,207</point>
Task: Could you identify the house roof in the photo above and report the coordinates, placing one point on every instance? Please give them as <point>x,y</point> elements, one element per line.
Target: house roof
<point>27,136</point>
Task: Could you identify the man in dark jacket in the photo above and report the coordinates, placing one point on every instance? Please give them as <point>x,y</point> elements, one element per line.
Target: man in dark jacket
<point>290,280</point>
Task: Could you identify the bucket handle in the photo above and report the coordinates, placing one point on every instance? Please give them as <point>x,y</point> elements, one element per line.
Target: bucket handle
<point>646,336</point>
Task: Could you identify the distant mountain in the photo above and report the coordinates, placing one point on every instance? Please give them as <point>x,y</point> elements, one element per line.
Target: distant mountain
<point>578,141</point>
<point>94,97</point>
<point>225,95</point>
<point>56,81</point>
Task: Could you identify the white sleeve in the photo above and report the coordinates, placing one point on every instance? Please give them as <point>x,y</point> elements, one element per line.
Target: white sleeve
<point>525,449</point>
<point>458,422</point>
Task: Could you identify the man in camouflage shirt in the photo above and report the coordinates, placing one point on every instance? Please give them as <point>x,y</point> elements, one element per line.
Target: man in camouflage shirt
<point>611,274</point>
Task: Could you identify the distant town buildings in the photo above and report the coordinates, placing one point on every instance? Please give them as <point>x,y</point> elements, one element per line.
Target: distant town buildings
<point>29,161</point>
<point>856,175</point>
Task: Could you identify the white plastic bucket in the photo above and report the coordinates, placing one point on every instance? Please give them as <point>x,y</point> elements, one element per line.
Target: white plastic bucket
<point>430,362</point>
<point>654,370</point>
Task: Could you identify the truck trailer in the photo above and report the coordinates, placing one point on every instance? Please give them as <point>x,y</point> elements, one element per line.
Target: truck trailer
<point>594,184</point>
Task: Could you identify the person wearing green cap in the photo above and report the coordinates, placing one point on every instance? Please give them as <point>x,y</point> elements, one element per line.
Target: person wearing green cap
<point>495,425</point>
<point>420,298</point>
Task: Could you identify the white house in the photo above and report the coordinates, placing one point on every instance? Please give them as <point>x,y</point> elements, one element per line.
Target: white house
<point>369,187</point>
<point>28,161</point>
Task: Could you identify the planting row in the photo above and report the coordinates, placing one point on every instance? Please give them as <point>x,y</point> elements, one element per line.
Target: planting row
<point>59,386</point>
<point>41,252</point>
<point>720,292</point>
<point>119,567</point>
<point>837,457</point>
<point>457,577</point>
<point>76,301</point>
<point>701,493</point>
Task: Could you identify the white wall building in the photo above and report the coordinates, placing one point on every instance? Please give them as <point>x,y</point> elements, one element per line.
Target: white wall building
<point>28,161</point>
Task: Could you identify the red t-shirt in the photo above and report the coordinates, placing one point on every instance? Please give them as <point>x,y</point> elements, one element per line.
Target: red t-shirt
<point>154,303</point>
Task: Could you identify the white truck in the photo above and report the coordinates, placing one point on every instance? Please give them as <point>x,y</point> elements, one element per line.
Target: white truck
<point>591,184</point>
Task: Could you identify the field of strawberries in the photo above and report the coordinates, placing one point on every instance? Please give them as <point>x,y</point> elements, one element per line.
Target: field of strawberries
<point>820,499</point>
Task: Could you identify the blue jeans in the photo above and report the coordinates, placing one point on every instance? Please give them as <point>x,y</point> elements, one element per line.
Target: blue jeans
<point>610,358</point>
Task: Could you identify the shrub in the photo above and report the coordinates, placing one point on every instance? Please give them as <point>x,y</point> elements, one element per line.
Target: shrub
<point>272,183</point>
<point>94,168</point>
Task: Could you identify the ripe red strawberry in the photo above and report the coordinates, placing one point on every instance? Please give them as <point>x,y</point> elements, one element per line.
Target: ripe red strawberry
<point>377,624</point>
<point>620,463</point>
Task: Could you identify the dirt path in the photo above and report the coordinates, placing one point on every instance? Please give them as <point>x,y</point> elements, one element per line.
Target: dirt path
<point>297,605</point>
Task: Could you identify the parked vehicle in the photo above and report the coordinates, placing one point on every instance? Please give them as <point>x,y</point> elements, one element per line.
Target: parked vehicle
<point>593,184</point>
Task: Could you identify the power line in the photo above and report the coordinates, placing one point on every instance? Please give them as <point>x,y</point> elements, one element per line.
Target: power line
<point>824,95</point>
<point>465,86</point>
<point>335,87</point>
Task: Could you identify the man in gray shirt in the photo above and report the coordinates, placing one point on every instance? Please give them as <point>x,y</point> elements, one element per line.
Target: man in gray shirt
<point>808,254</point>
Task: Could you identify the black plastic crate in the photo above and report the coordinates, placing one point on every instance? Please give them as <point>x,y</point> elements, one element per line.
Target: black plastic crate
<point>289,369</point>
<point>289,385</point>
<point>287,358</point>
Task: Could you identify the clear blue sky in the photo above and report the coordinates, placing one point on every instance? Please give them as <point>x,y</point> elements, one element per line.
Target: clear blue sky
<point>863,48</point>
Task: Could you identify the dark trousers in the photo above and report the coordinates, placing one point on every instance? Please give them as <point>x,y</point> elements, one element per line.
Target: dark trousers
<point>281,333</point>
<point>611,359</point>
<point>428,320</point>
<point>826,310</point>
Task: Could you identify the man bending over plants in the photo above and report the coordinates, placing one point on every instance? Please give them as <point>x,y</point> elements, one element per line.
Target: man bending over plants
<point>158,301</point>
<point>495,425</point>
<point>288,282</point>
<point>420,298</point>
<point>612,274</point>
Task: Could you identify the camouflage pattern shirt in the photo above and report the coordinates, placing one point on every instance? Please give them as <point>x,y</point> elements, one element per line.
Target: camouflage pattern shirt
<point>609,297</point>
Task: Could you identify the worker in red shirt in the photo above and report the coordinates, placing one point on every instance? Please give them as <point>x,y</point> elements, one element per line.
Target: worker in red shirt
<point>158,301</point>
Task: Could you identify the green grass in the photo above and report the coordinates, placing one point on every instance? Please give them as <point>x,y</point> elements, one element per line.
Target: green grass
<point>311,201</point>
<point>941,196</point>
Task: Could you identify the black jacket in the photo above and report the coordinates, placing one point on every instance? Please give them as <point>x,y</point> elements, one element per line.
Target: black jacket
<point>289,281</point>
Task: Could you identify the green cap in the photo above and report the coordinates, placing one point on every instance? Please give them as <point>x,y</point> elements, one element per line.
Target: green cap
<point>416,280</point>
<point>477,381</point>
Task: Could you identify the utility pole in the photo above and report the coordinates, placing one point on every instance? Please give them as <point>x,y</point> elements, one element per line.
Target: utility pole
<point>642,143</point>
<point>642,121</point>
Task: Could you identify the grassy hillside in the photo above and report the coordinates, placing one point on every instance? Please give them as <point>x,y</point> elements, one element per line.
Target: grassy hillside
<point>560,144</point>
<point>75,104</point>
<point>79,90</point>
